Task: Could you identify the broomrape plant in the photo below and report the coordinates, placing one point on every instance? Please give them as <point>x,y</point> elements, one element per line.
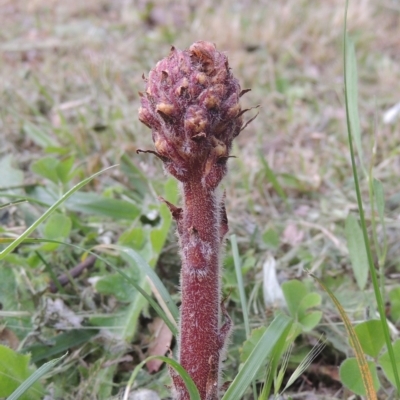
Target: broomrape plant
<point>191,104</point>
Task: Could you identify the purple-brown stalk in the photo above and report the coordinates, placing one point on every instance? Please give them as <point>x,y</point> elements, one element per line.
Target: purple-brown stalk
<point>191,103</point>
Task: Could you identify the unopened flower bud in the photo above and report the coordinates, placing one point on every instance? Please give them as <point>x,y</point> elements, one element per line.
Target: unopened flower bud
<point>191,99</point>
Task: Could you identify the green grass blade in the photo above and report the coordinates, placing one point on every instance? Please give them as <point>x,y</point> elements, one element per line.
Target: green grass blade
<point>38,374</point>
<point>349,98</point>
<point>61,343</point>
<point>352,97</point>
<point>283,367</point>
<point>266,389</point>
<point>133,256</point>
<point>239,278</point>
<point>191,387</point>
<point>280,355</point>
<point>12,203</point>
<point>238,270</point>
<point>272,177</point>
<point>48,268</point>
<point>63,198</point>
<point>379,199</point>
<point>275,334</point>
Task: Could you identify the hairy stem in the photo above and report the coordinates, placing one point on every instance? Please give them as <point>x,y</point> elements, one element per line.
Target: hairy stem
<point>200,339</point>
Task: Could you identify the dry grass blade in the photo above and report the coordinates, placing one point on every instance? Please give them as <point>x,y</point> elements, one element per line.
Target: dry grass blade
<point>305,363</point>
<point>355,344</point>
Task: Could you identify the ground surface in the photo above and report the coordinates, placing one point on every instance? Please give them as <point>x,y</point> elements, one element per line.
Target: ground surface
<point>70,73</point>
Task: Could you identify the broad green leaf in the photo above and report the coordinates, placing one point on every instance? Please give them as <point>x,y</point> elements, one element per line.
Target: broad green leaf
<point>358,254</point>
<point>9,175</point>
<point>351,377</point>
<point>135,176</point>
<point>113,322</point>
<point>275,335</point>
<point>251,342</point>
<point>394,296</point>
<point>308,301</point>
<point>134,238</point>
<point>157,237</point>
<point>371,337</point>
<point>91,203</point>
<point>14,369</point>
<point>310,320</point>
<point>47,168</point>
<point>29,382</point>
<point>58,226</point>
<point>114,284</point>
<point>8,288</point>
<point>39,136</point>
<point>385,363</point>
<point>171,192</point>
<point>271,238</point>
<point>63,169</point>
<point>294,292</point>
<point>306,318</point>
<point>248,264</point>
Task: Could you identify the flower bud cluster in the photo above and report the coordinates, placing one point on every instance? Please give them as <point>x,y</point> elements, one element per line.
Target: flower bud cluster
<point>191,103</point>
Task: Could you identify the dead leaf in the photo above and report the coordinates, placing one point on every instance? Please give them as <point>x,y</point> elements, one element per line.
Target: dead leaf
<point>160,344</point>
<point>331,371</point>
<point>8,338</point>
<point>293,235</point>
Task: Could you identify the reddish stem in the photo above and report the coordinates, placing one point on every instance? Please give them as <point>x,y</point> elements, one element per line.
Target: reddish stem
<point>201,341</point>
